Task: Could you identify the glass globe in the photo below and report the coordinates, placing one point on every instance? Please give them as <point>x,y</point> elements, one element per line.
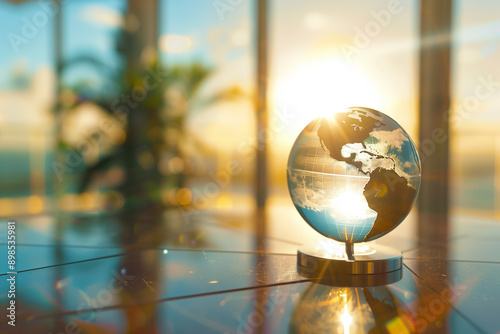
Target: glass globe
<point>353,176</point>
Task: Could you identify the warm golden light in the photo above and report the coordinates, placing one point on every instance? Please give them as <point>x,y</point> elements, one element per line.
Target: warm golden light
<point>184,196</point>
<point>336,250</point>
<point>346,318</point>
<point>35,204</point>
<point>6,207</point>
<point>322,87</point>
<point>351,205</point>
<point>329,309</point>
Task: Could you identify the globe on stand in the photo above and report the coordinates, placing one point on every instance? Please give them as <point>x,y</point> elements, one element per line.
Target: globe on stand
<point>353,177</point>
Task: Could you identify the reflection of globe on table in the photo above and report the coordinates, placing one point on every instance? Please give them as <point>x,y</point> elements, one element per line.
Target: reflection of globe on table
<point>327,309</point>
<point>353,176</point>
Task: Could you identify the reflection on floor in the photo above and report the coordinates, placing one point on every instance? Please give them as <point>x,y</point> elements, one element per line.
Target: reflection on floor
<point>176,271</point>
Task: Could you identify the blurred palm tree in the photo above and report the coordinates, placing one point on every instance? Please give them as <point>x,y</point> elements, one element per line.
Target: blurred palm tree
<point>140,135</point>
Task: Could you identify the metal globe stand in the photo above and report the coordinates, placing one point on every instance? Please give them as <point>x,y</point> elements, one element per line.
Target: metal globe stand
<point>361,264</point>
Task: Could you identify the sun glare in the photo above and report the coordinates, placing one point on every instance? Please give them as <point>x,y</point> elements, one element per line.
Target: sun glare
<point>350,204</point>
<point>323,87</point>
<point>346,318</point>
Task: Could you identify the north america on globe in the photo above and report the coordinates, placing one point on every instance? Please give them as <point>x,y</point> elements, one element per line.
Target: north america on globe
<point>355,175</point>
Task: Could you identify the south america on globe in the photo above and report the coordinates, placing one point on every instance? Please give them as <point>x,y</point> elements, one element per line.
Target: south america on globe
<point>354,176</point>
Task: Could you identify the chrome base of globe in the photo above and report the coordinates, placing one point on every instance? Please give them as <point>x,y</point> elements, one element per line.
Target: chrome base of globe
<point>359,264</point>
